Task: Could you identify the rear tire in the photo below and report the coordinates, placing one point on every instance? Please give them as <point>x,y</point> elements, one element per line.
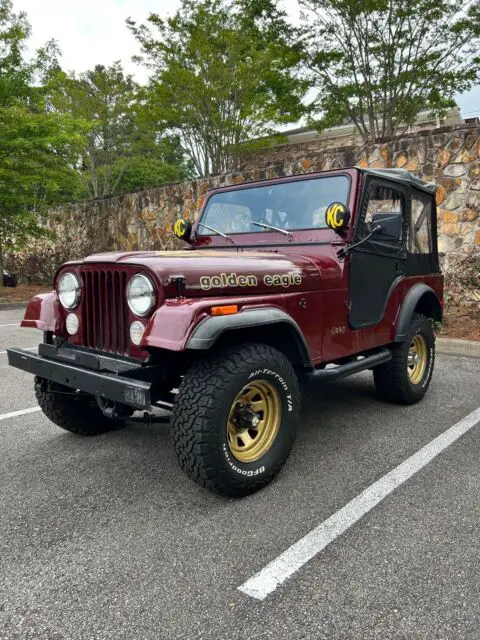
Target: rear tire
<point>79,414</point>
<point>234,419</point>
<point>406,378</point>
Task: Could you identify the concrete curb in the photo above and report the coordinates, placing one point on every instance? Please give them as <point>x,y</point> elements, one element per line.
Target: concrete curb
<point>454,347</point>
<point>10,306</point>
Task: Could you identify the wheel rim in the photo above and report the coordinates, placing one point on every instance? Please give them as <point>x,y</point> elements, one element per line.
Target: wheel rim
<point>417,359</point>
<point>254,421</point>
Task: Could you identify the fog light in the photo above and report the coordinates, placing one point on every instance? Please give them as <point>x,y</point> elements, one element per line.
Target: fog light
<point>137,329</point>
<point>72,323</point>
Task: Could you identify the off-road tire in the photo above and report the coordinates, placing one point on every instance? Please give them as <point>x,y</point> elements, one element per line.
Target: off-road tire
<point>79,414</point>
<point>391,379</point>
<point>201,410</point>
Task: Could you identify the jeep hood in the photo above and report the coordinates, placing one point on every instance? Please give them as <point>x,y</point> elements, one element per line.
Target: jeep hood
<point>216,272</point>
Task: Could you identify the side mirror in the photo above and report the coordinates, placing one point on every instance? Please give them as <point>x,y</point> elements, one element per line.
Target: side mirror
<point>337,217</point>
<point>182,229</point>
<point>390,224</point>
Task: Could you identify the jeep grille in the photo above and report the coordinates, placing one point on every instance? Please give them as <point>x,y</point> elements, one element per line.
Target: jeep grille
<point>104,309</point>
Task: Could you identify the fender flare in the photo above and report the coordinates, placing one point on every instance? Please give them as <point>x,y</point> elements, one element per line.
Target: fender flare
<point>44,312</point>
<point>210,329</point>
<point>413,297</point>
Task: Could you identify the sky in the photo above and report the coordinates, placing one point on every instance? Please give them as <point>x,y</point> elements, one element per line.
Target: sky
<point>91,32</point>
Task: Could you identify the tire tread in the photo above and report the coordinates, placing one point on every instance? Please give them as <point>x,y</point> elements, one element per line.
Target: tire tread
<point>205,381</point>
<point>77,415</point>
<point>391,379</point>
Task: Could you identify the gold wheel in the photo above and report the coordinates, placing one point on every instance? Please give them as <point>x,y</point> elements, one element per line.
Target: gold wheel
<point>254,421</point>
<point>417,359</point>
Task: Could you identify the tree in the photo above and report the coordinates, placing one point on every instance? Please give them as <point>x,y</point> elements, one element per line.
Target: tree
<point>122,152</point>
<point>154,157</point>
<point>15,73</point>
<point>102,97</point>
<point>216,81</point>
<point>154,160</point>
<point>377,63</point>
<point>38,148</point>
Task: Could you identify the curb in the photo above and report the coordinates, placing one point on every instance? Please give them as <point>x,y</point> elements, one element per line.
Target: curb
<point>455,347</point>
<point>10,306</point>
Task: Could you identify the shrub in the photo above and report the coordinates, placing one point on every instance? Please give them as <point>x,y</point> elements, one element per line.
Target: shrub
<point>38,267</point>
<point>462,281</point>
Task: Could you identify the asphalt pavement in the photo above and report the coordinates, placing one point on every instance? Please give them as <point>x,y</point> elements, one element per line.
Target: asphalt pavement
<point>105,537</point>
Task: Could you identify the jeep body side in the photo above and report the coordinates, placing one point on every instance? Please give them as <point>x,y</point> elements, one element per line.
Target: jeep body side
<point>280,279</point>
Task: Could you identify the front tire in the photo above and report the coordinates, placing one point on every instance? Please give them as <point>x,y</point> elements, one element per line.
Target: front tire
<point>234,419</point>
<point>406,378</point>
<point>79,414</point>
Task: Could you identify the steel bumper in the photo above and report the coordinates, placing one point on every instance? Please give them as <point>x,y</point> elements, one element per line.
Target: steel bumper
<point>86,372</point>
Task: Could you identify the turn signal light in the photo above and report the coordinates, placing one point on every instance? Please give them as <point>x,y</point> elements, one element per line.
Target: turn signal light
<point>72,324</point>
<point>137,329</point>
<point>226,310</point>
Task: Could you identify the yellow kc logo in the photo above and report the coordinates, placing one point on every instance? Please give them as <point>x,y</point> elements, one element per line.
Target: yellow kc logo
<point>335,217</point>
<point>179,228</point>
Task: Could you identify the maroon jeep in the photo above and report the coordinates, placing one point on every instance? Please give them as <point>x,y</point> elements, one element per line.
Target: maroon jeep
<point>315,276</point>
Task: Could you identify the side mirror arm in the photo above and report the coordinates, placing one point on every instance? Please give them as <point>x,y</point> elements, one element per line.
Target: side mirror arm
<point>346,250</point>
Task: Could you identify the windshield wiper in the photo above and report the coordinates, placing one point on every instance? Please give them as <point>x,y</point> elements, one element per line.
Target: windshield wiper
<point>269,226</point>
<point>220,233</point>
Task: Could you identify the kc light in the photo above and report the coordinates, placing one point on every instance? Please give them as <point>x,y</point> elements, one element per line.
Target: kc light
<point>137,329</point>
<point>140,294</point>
<point>69,290</point>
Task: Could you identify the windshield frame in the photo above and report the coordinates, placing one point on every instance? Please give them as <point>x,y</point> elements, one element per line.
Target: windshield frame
<point>347,173</point>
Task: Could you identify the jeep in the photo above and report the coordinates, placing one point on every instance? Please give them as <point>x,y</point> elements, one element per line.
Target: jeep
<point>310,277</point>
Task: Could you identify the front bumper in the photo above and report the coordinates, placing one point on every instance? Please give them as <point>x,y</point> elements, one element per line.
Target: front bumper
<point>102,376</point>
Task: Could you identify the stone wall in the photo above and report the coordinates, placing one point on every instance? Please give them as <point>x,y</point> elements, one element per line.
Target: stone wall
<point>449,156</point>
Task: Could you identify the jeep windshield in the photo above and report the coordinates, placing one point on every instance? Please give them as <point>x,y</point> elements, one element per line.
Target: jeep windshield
<point>287,206</point>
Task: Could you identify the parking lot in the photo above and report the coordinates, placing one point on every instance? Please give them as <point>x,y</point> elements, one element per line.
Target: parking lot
<point>106,538</point>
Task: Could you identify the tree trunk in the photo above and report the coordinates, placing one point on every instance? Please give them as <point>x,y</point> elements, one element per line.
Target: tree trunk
<point>1,264</point>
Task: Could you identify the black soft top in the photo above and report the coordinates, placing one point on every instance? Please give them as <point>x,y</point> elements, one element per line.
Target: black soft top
<point>403,177</point>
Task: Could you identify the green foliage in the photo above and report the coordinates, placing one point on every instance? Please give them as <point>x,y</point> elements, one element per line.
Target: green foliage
<point>119,140</point>
<point>15,74</point>
<point>378,63</point>
<point>216,80</point>
<point>65,137</point>
<point>36,152</point>
<point>164,164</point>
<point>38,148</point>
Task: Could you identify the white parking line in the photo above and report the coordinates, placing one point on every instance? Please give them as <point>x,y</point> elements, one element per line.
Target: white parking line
<point>14,414</point>
<point>2,353</point>
<point>16,324</point>
<point>291,560</point>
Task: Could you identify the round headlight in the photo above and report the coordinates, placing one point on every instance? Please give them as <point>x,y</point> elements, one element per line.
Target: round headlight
<point>140,294</point>
<point>69,290</point>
